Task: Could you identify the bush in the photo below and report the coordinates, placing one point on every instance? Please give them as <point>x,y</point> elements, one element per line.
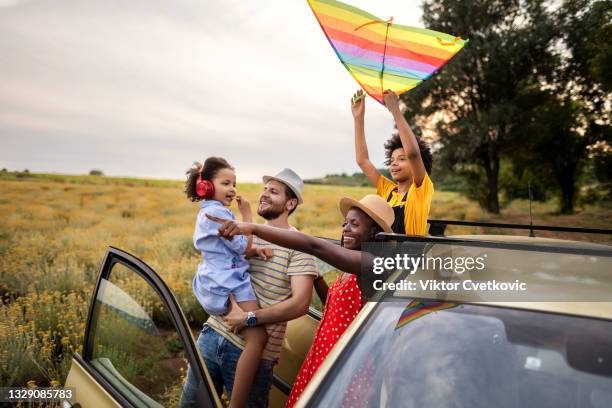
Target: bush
<point>96,172</point>
<point>598,194</point>
<point>600,157</point>
<point>514,183</point>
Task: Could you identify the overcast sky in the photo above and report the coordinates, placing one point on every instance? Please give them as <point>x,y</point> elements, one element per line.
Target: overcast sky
<point>143,88</point>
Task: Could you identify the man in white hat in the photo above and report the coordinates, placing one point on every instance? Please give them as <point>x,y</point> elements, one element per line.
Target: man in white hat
<point>283,285</point>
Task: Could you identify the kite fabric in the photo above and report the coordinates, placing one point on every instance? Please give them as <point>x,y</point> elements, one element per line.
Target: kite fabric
<point>379,54</point>
<point>420,308</point>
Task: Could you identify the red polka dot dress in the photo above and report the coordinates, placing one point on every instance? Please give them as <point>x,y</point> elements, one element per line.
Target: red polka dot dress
<point>344,301</point>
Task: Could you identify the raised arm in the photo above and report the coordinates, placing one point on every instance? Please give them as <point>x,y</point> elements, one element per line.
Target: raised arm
<point>409,140</point>
<point>346,260</point>
<point>361,148</point>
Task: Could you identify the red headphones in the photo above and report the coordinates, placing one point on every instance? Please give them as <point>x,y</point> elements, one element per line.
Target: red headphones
<point>204,188</point>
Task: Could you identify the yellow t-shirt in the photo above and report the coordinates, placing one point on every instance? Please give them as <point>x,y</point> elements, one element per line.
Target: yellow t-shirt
<point>417,204</point>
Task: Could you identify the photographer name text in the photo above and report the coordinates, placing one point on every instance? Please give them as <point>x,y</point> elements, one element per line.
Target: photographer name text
<point>438,285</point>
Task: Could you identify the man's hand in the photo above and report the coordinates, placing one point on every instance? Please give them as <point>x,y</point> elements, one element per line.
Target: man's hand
<point>236,317</point>
<point>391,101</point>
<point>358,105</point>
<point>231,228</point>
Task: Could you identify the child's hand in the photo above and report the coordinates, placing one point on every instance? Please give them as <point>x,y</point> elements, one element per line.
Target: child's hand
<point>264,253</point>
<point>244,206</point>
<point>391,101</point>
<point>358,105</point>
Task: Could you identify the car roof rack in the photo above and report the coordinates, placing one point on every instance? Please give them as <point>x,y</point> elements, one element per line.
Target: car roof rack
<point>438,227</point>
<point>570,247</point>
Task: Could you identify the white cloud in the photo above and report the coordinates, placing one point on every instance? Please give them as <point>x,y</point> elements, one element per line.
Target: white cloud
<point>8,3</point>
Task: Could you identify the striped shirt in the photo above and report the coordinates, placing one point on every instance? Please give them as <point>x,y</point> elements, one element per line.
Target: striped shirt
<point>271,281</point>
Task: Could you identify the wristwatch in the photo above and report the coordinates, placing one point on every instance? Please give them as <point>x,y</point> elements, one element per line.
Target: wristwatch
<point>251,320</point>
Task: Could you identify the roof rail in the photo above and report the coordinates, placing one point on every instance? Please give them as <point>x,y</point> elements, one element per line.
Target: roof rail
<point>571,248</point>
<point>437,227</point>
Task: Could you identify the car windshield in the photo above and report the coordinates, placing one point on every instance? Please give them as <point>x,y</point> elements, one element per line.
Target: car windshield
<point>432,354</point>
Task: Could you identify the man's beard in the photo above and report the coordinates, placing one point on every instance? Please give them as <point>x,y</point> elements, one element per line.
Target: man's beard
<point>270,213</point>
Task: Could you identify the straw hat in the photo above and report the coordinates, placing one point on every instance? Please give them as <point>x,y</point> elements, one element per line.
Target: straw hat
<point>374,206</point>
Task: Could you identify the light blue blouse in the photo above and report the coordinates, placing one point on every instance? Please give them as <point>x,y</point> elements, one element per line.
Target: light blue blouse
<point>223,268</point>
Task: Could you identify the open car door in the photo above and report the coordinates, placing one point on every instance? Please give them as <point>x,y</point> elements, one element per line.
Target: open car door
<point>137,343</point>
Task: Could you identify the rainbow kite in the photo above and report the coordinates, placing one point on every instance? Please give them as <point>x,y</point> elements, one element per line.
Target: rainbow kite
<point>419,308</point>
<point>381,55</point>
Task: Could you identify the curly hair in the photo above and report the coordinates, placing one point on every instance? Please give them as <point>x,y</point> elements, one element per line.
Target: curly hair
<point>209,170</point>
<point>396,143</point>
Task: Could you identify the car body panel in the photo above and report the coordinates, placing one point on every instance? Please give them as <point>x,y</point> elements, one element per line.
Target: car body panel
<point>88,393</point>
<point>531,240</point>
<point>554,270</point>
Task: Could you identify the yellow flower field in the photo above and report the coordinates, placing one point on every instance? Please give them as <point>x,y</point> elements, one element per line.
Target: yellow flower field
<point>54,232</point>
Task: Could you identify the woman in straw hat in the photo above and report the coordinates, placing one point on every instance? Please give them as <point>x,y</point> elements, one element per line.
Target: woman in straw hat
<point>363,219</point>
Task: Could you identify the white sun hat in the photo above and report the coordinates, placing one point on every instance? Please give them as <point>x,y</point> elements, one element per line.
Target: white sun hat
<point>289,178</point>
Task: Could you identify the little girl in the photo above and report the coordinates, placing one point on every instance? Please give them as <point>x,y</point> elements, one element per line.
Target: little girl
<point>223,270</point>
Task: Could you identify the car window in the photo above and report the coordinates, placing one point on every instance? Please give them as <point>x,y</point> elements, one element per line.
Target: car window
<point>135,345</point>
<point>472,356</point>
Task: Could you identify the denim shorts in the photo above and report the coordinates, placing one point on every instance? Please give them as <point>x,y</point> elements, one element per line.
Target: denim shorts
<point>221,358</point>
<point>217,305</point>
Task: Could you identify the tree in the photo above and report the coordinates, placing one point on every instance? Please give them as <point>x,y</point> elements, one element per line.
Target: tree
<point>582,86</point>
<point>586,28</point>
<point>532,88</point>
<point>474,101</point>
<point>96,172</point>
<point>558,152</point>
<point>600,154</point>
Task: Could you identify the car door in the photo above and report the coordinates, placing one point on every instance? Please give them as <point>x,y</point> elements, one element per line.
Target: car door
<point>137,343</point>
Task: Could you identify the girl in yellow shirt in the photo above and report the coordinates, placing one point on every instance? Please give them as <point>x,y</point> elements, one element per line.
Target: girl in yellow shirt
<point>409,161</point>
